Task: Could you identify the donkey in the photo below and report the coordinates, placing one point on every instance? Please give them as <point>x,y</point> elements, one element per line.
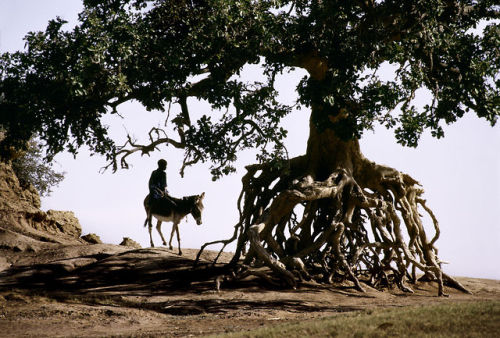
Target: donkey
<point>173,213</point>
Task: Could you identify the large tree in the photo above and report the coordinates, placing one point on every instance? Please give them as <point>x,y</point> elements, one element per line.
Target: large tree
<point>330,214</point>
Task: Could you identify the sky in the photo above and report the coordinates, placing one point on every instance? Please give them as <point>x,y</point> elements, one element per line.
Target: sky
<point>460,173</point>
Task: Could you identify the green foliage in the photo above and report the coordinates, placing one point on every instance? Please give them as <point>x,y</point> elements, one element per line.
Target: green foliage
<point>163,52</point>
<point>32,168</point>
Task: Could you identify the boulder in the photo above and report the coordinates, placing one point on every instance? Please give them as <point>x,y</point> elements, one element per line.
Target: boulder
<point>130,243</point>
<point>65,221</point>
<point>92,239</point>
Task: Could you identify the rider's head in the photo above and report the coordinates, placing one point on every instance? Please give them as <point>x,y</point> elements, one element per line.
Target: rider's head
<point>162,164</point>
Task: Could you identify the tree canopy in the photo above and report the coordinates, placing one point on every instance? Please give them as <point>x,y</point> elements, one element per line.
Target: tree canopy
<point>329,215</point>
<point>163,52</point>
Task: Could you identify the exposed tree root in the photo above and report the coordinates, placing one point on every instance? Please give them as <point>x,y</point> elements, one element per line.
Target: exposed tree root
<point>361,225</point>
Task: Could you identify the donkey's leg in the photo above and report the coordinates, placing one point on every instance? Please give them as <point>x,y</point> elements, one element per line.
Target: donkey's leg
<point>171,236</point>
<point>158,227</point>
<point>150,227</point>
<point>175,228</point>
<point>148,223</point>
<point>178,238</point>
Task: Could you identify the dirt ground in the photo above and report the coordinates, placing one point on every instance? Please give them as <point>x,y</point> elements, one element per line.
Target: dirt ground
<point>107,290</point>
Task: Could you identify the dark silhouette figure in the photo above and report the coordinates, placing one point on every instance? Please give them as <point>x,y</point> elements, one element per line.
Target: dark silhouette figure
<point>158,181</point>
<point>159,199</point>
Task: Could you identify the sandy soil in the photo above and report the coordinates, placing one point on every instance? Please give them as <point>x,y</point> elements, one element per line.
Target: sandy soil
<point>107,290</point>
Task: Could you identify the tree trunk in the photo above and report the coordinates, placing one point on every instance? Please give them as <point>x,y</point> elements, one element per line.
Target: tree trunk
<point>326,153</point>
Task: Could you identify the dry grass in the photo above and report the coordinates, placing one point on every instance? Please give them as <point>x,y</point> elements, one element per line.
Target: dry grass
<point>471,319</point>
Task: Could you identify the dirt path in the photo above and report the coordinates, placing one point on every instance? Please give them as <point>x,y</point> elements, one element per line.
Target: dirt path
<point>106,291</point>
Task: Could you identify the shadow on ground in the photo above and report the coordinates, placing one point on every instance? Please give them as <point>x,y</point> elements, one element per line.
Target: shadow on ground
<point>139,279</point>
<point>138,272</point>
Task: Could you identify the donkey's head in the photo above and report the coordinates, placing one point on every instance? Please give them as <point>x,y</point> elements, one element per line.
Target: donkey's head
<point>197,208</point>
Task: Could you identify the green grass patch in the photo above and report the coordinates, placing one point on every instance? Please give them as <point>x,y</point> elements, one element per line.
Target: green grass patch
<point>474,319</point>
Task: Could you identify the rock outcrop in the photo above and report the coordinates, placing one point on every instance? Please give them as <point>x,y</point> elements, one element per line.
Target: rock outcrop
<point>20,214</point>
<point>54,238</point>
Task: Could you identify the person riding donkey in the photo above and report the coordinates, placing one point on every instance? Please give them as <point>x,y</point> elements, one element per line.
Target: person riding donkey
<point>160,205</point>
<point>158,192</point>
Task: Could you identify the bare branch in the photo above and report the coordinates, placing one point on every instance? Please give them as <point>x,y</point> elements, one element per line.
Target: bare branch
<point>130,147</point>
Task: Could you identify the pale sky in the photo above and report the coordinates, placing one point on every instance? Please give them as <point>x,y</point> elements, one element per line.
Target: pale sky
<point>460,173</point>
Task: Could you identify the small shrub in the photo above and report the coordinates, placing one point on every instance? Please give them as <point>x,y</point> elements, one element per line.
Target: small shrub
<point>32,168</point>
